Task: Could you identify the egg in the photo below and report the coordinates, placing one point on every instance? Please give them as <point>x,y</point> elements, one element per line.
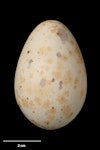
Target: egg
<point>50,81</point>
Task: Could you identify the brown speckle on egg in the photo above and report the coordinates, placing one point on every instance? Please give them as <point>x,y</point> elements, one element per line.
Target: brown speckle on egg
<point>66,110</point>
<point>76,80</point>
<point>64,58</point>
<point>60,85</point>
<point>61,99</point>
<point>22,79</point>
<point>30,61</point>
<point>31,75</point>
<point>25,102</point>
<point>67,77</point>
<point>49,48</point>
<point>44,91</point>
<point>27,98</point>
<point>75,87</point>
<point>70,53</point>
<point>42,82</point>
<point>72,42</point>
<point>31,104</point>
<point>82,93</point>
<point>20,86</point>
<point>28,51</point>
<point>43,51</point>
<point>70,115</point>
<point>49,61</point>
<point>47,122</point>
<point>57,74</point>
<point>33,111</point>
<point>51,113</point>
<point>51,117</point>
<point>62,34</point>
<point>80,71</point>
<point>46,104</point>
<point>53,80</point>
<point>58,54</point>
<point>66,93</point>
<point>54,29</point>
<point>38,101</point>
<point>79,59</point>
<point>48,82</point>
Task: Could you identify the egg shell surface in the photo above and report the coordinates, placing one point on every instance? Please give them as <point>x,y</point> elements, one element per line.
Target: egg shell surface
<point>50,79</point>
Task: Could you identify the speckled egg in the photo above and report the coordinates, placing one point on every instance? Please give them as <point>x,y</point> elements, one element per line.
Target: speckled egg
<point>50,79</point>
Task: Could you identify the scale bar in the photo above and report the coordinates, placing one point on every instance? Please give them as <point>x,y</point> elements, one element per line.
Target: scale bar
<point>21,141</point>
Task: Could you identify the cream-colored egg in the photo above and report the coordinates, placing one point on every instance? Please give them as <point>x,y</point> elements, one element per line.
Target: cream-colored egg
<point>50,79</point>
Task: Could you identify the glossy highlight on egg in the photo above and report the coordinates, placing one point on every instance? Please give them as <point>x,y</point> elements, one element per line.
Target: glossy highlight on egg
<point>50,79</point>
